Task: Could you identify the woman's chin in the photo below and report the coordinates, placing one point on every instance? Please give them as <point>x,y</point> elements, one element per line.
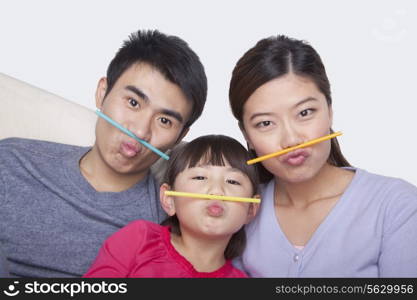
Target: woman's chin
<point>296,176</point>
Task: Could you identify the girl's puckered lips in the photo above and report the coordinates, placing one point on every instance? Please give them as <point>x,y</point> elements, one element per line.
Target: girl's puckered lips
<point>215,209</point>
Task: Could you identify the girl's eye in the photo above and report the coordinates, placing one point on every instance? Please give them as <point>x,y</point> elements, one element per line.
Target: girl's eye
<point>198,177</point>
<point>232,181</point>
<point>263,124</point>
<point>306,112</point>
<point>133,102</point>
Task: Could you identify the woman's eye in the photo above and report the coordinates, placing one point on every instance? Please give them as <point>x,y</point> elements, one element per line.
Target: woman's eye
<point>306,112</point>
<point>133,102</point>
<point>232,181</point>
<point>199,177</point>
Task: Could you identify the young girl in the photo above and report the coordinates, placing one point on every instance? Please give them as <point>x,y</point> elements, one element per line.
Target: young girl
<point>319,217</point>
<point>200,237</point>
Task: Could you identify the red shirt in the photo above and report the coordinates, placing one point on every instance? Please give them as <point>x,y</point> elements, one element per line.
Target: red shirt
<point>144,249</point>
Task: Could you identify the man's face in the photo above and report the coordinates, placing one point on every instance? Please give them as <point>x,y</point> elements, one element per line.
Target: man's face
<point>148,105</point>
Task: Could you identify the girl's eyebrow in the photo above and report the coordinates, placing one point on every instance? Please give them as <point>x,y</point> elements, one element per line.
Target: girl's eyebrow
<point>236,170</point>
<point>230,169</point>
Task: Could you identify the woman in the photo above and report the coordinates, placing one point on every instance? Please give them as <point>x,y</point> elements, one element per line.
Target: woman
<point>319,216</point>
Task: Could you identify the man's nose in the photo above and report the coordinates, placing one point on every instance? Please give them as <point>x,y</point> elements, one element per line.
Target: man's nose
<point>142,127</point>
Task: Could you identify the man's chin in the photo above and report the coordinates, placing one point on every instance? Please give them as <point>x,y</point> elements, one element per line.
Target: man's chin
<point>130,166</point>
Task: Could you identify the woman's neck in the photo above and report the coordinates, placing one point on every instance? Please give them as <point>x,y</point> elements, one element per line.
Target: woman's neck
<point>206,255</point>
<point>329,182</point>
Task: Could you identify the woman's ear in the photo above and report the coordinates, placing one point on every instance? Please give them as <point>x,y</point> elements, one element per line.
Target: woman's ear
<point>245,135</point>
<point>167,202</point>
<point>253,210</point>
<point>331,115</point>
<point>101,92</point>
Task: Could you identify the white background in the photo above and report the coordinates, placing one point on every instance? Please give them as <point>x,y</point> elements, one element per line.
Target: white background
<point>368,47</point>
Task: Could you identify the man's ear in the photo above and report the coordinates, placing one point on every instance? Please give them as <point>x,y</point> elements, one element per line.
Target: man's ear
<point>245,135</point>
<point>101,92</point>
<point>253,210</point>
<point>167,202</point>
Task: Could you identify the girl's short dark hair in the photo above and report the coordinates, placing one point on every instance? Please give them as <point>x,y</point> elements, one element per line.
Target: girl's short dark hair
<point>213,150</point>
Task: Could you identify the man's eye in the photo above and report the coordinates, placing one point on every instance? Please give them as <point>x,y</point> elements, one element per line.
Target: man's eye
<point>199,177</point>
<point>263,124</point>
<point>232,181</point>
<point>165,121</point>
<point>133,102</point>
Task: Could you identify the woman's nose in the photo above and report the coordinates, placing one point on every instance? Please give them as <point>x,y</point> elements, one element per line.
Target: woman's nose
<point>290,137</point>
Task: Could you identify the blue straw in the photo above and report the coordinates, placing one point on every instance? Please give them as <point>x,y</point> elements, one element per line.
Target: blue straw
<point>131,134</point>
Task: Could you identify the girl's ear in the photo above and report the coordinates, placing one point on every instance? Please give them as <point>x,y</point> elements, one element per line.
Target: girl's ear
<point>167,202</point>
<point>253,210</point>
<point>245,135</point>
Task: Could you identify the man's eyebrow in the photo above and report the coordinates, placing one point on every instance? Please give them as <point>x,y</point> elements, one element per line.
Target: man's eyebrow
<point>173,113</point>
<point>169,112</point>
<point>138,92</point>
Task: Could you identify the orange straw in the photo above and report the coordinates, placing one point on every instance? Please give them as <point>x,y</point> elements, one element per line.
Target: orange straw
<point>306,144</point>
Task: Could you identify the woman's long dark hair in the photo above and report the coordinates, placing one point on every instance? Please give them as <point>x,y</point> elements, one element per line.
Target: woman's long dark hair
<point>271,58</point>
<point>213,150</point>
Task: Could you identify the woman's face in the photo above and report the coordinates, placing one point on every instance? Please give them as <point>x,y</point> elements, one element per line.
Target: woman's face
<point>286,112</point>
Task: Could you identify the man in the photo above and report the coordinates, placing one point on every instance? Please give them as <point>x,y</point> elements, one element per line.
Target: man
<point>4,270</point>
<point>58,203</point>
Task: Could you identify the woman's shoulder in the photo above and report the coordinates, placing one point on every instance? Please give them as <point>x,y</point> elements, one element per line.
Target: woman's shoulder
<point>388,182</point>
<point>396,193</point>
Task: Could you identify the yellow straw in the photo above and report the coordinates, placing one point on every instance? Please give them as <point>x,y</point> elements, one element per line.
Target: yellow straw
<point>215,197</point>
<point>306,144</point>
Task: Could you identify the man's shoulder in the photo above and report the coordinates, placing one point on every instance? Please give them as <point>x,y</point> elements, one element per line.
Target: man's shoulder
<point>35,147</point>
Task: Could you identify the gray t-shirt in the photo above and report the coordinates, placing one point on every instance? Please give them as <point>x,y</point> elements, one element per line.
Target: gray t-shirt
<point>52,221</point>
<point>4,269</point>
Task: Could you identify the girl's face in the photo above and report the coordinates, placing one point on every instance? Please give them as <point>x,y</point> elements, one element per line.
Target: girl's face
<point>286,112</point>
<point>210,218</point>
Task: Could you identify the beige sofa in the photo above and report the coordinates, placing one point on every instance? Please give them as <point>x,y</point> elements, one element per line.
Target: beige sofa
<point>27,111</point>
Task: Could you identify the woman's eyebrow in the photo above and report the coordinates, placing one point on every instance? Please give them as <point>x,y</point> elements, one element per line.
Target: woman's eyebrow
<point>260,114</point>
<point>305,100</point>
